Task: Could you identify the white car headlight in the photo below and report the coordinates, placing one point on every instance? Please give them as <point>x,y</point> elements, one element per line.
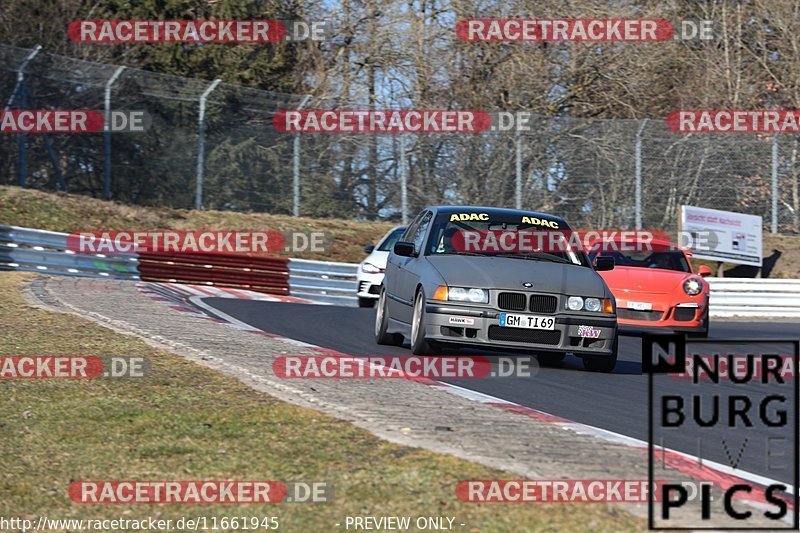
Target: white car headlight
<point>369,268</point>
<point>466,294</point>
<point>592,304</point>
<point>692,286</point>
<point>574,303</point>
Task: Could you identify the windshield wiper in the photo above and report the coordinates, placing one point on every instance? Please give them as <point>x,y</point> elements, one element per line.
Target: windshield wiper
<point>460,253</point>
<point>551,258</point>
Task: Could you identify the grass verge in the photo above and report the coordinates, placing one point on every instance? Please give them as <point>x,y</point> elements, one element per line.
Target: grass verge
<point>70,212</point>
<point>186,422</point>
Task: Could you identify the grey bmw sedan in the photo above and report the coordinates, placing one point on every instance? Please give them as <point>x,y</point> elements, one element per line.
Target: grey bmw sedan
<point>496,278</point>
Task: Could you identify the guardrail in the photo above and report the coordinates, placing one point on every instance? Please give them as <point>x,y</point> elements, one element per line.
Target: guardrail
<point>261,274</point>
<point>35,250</point>
<point>323,281</point>
<point>745,297</point>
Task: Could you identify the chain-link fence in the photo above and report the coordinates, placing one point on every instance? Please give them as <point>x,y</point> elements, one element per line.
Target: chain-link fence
<point>595,173</point>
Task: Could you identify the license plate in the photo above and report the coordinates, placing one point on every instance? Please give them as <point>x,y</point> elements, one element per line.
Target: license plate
<point>508,320</point>
<point>640,306</point>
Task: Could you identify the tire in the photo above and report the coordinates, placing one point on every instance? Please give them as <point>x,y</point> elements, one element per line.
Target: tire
<point>551,359</point>
<point>419,346</point>
<point>382,323</point>
<point>602,363</point>
<point>366,302</point>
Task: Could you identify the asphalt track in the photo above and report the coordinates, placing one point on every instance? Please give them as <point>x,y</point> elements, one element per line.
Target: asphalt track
<point>616,402</point>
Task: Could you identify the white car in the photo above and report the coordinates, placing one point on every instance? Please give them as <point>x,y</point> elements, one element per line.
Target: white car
<point>370,271</point>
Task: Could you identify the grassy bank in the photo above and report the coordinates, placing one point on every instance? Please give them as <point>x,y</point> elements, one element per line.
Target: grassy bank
<point>69,212</point>
<point>64,212</point>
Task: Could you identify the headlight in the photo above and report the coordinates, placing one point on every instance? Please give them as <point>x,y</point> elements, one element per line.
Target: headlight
<point>692,286</point>
<point>574,303</point>
<point>592,304</point>
<point>462,294</point>
<point>369,268</point>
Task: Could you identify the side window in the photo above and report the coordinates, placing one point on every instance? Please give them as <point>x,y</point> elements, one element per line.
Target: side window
<point>418,237</point>
<point>408,236</point>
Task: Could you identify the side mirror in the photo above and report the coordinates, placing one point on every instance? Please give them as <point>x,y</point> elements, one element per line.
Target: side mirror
<point>405,249</point>
<point>369,248</point>
<point>604,263</point>
<point>704,271</point>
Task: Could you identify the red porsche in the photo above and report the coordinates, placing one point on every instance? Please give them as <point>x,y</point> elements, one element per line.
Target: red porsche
<point>655,286</point>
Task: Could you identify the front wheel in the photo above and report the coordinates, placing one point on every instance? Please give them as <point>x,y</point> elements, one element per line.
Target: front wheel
<point>602,363</point>
<point>382,323</point>
<point>419,346</point>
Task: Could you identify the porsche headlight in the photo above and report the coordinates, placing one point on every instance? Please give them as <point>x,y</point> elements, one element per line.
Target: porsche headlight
<point>467,294</point>
<point>369,268</point>
<point>692,286</point>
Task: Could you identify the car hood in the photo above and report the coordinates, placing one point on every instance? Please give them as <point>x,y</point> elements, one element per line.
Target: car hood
<point>510,274</point>
<point>651,280</point>
<point>377,258</point>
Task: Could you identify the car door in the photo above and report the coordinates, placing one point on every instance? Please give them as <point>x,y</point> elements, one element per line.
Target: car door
<point>392,280</point>
<point>408,268</point>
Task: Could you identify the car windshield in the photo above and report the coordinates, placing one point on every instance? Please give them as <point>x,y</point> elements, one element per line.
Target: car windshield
<point>388,242</point>
<point>451,233</point>
<point>665,260</point>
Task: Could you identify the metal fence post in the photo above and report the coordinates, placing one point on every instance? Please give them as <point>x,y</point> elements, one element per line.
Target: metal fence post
<point>518,184</point>
<point>201,144</point>
<point>107,134</point>
<point>22,143</point>
<point>775,183</point>
<point>296,166</point>
<point>403,180</point>
<point>638,171</point>
<point>22,138</point>
<point>21,75</point>
<point>296,175</point>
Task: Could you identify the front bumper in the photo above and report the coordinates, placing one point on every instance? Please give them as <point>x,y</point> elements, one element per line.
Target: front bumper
<point>479,326</point>
<point>369,285</point>
<point>688,315</point>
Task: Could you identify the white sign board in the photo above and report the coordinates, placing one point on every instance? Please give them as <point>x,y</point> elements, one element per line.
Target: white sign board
<point>721,235</point>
